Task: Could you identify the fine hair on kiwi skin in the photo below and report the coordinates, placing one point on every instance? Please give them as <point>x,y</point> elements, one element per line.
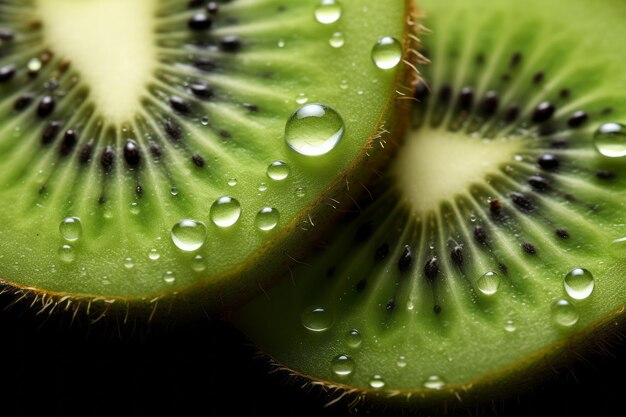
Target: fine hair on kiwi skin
<point>456,274</point>
<point>163,162</point>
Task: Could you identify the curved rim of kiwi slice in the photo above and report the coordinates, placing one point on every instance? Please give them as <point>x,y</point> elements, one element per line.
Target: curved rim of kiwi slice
<point>492,248</point>
<point>192,188</point>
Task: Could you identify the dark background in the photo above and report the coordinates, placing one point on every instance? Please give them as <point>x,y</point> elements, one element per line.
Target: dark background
<point>205,367</point>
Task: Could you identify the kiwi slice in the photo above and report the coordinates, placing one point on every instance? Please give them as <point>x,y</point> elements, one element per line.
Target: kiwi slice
<point>493,245</point>
<point>159,147</point>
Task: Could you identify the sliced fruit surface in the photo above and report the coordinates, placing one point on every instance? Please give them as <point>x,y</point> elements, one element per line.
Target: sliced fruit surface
<point>495,239</point>
<point>157,146</point>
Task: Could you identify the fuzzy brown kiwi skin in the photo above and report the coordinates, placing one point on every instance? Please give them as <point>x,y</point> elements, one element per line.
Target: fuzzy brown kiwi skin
<point>504,384</point>
<point>208,298</point>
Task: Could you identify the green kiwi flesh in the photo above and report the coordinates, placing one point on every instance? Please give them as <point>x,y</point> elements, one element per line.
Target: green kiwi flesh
<point>450,280</point>
<point>135,116</point>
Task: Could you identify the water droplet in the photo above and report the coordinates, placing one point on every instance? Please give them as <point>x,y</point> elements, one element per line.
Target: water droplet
<point>344,84</point>
<point>134,208</point>
<point>579,283</point>
<point>328,11</point>
<point>71,229</point>
<point>300,192</point>
<point>232,182</point>
<point>302,98</point>
<point>204,121</point>
<point>434,382</point>
<point>267,218</point>
<point>317,319</point>
<point>337,40</point>
<point>169,277</point>
<point>610,140</point>
<point>278,170</point>
<point>342,365</point>
<point>564,313</point>
<point>401,362</point>
<point>128,263</point>
<point>488,284</point>
<point>281,43</point>
<point>174,191</point>
<point>377,381</point>
<point>66,253</point>
<point>387,53</point>
<point>189,235</point>
<point>314,129</point>
<point>198,264</point>
<point>354,339</point>
<point>34,65</point>
<point>154,254</point>
<point>509,326</point>
<point>225,211</point>
<point>618,248</point>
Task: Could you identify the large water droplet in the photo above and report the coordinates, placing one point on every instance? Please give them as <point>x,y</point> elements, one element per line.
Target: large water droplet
<point>377,382</point>
<point>618,248</point>
<point>189,235</point>
<point>387,53</point>
<point>488,284</point>
<point>71,229</point>
<point>267,218</point>
<point>66,254</point>
<point>579,283</point>
<point>610,140</point>
<point>278,170</point>
<point>564,313</point>
<point>317,319</point>
<point>314,130</point>
<point>354,339</point>
<point>434,382</point>
<point>337,40</point>
<point>225,211</point>
<point>328,11</point>
<point>342,365</point>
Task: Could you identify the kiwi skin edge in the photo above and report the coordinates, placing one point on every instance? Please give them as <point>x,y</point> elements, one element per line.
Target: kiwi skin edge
<point>204,297</point>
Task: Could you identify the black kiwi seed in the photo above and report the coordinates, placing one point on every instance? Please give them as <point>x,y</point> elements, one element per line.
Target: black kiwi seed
<point>431,268</point>
<point>466,99</point>
<point>538,77</point>
<point>46,106</point>
<point>495,206</point>
<point>529,248</point>
<point>543,112</point>
<point>360,286</point>
<point>200,21</point>
<point>565,93</point>
<point>132,155</point>
<point>107,159</point>
<point>155,150</point>
<point>230,43</point>
<point>50,132</point>
<point>212,7</point>
<point>201,90</point>
<point>252,107</point>
<point>605,175</point>
<point>391,305</point>
<point>421,91</point>
<point>180,104</point>
<point>198,160</point>
<point>445,94</point>
<point>85,153</point>
<point>538,183</point>
<point>7,35</point>
<point>516,59</point>
<point>437,309</point>
<point>480,234</point>
<point>204,64</point>
<point>457,255</point>
<point>381,252</point>
<point>173,130</point>
<point>70,138</point>
<point>562,233</point>
<point>490,103</point>
<point>6,73</point>
<point>548,161</point>
<point>23,101</point>
<point>577,119</point>
<point>521,201</point>
<point>406,259</point>
<point>512,114</point>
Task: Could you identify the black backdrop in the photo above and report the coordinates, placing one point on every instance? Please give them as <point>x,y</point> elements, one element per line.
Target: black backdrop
<point>206,368</point>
